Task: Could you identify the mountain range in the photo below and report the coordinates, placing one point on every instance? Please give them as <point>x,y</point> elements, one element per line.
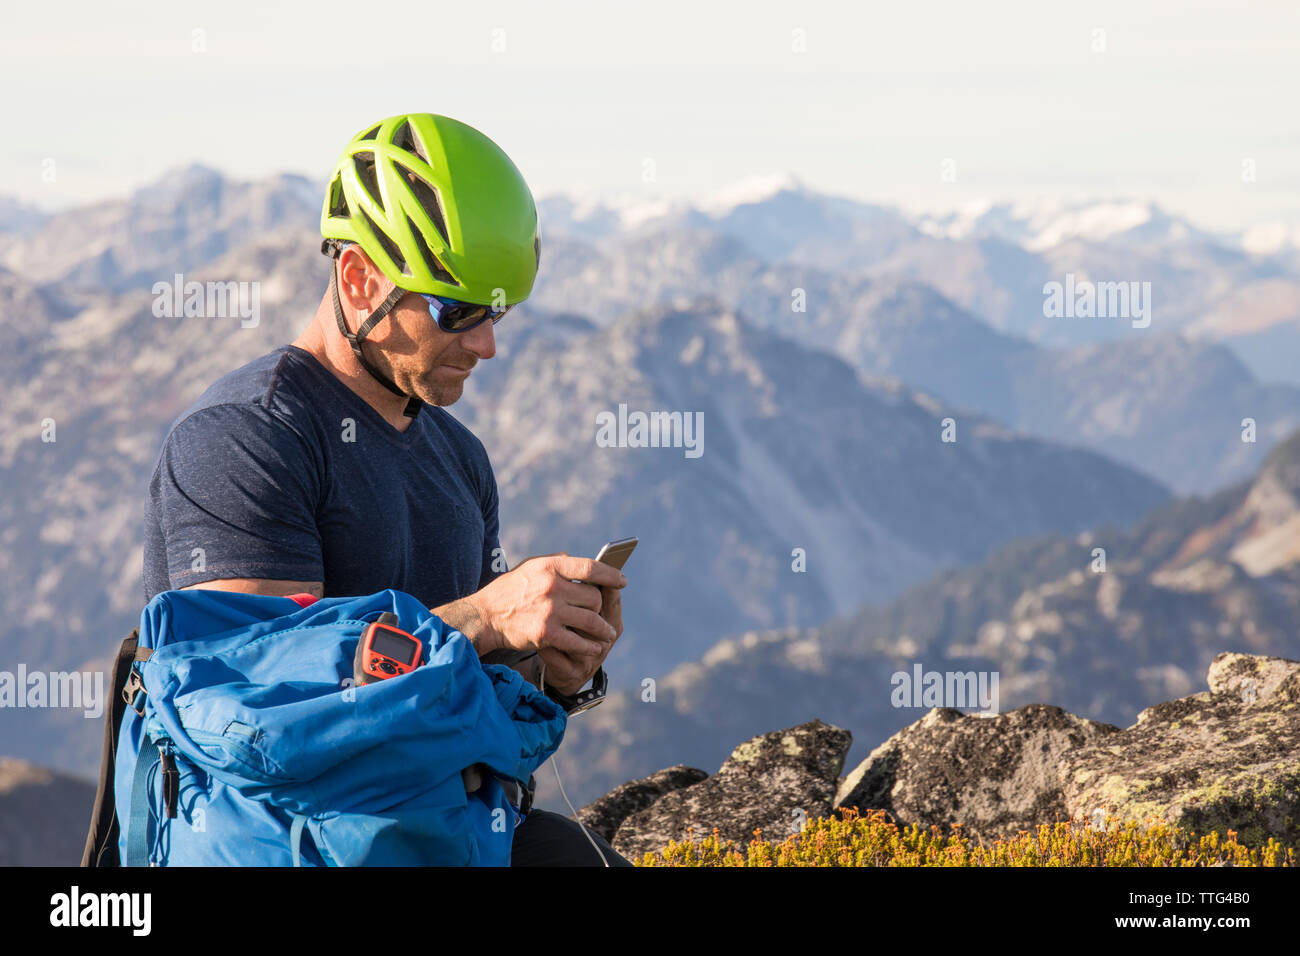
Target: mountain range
<point>1103,640</point>
<point>800,457</point>
<point>799,453</point>
<point>1159,399</point>
<point>825,480</point>
<point>992,260</point>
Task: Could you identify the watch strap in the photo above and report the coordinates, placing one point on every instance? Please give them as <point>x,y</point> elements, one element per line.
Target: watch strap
<point>584,699</point>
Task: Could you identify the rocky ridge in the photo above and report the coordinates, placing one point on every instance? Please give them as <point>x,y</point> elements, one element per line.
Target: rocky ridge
<point>1224,759</point>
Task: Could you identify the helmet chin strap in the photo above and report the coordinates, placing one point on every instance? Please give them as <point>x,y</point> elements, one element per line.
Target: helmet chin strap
<point>413,404</point>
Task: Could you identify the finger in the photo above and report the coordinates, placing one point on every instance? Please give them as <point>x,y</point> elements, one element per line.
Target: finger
<point>589,570</point>
<point>562,671</point>
<point>578,595</point>
<point>538,557</point>
<point>611,608</point>
<point>560,637</point>
<point>588,623</point>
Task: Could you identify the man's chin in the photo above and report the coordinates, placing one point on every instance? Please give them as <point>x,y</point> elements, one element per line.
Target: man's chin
<point>434,392</point>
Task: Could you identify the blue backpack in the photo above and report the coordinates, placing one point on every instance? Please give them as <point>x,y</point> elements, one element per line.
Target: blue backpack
<point>245,742</point>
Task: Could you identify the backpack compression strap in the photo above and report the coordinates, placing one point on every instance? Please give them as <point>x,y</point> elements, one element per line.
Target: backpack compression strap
<point>101,841</point>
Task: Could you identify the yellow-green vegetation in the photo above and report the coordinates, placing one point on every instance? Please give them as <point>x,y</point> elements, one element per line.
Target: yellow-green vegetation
<point>874,840</point>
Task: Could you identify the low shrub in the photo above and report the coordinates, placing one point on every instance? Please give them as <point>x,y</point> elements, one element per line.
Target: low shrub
<point>874,839</point>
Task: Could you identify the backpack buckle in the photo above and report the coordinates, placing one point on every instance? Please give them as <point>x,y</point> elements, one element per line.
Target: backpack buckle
<point>520,797</point>
<point>134,684</point>
<point>135,681</point>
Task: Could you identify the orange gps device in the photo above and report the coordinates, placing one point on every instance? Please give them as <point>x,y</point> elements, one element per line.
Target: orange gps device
<point>385,651</point>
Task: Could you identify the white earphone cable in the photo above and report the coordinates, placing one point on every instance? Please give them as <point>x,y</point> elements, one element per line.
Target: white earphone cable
<point>541,685</point>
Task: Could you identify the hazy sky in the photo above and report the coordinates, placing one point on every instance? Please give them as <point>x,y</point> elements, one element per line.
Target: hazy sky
<point>874,100</point>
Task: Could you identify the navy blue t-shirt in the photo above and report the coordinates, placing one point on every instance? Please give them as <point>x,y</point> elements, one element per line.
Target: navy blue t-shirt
<point>281,471</point>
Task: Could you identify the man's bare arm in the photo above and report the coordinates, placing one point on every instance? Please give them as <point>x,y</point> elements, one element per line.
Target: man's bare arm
<point>465,617</point>
<point>462,615</point>
<point>265,586</point>
<point>551,609</point>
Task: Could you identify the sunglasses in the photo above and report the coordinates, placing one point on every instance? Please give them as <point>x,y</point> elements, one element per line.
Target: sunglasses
<point>452,315</point>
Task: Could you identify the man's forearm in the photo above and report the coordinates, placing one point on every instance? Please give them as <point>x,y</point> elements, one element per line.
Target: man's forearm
<point>465,617</point>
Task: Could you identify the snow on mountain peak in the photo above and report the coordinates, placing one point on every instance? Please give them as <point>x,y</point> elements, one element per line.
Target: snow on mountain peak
<point>589,211</point>
<point>1036,224</point>
<point>1270,238</point>
<point>751,189</point>
<point>1096,221</point>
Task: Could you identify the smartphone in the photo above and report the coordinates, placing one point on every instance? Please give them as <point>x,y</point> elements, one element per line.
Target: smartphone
<point>614,553</point>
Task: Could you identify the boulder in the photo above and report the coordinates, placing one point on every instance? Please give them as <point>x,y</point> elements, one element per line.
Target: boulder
<point>774,782</point>
<point>994,775</point>
<point>607,814</point>
<point>1224,759</point>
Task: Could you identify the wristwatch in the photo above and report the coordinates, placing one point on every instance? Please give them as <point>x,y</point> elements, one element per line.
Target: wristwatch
<point>583,699</point>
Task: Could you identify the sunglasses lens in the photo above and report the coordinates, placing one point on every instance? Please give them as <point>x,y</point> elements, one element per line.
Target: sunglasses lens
<point>459,318</point>
<point>462,316</point>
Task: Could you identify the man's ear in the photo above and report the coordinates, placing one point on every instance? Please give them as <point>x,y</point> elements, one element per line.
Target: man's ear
<point>361,282</point>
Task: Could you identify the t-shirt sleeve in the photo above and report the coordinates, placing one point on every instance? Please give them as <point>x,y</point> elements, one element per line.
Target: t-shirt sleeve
<point>494,559</point>
<point>235,495</point>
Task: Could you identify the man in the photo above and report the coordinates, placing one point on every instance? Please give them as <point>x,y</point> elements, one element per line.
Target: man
<point>330,466</point>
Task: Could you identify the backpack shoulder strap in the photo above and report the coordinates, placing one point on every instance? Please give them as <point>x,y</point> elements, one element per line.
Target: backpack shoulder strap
<point>101,841</point>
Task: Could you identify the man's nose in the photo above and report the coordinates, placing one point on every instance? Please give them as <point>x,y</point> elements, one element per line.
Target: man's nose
<point>480,340</point>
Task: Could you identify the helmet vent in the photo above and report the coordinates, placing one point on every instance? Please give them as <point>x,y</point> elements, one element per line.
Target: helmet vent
<point>365,167</point>
<point>427,197</point>
<point>389,246</point>
<point>404,138</point>
<point>338,203</point>
<point>370,134</point>
<point>537,252</point>
<point>430,260</point>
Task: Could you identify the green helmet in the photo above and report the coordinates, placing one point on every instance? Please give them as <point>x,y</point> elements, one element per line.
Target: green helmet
<point>438,207</point>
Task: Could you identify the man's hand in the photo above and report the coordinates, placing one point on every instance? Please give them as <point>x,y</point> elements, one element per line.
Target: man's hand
<point>568,609</point>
